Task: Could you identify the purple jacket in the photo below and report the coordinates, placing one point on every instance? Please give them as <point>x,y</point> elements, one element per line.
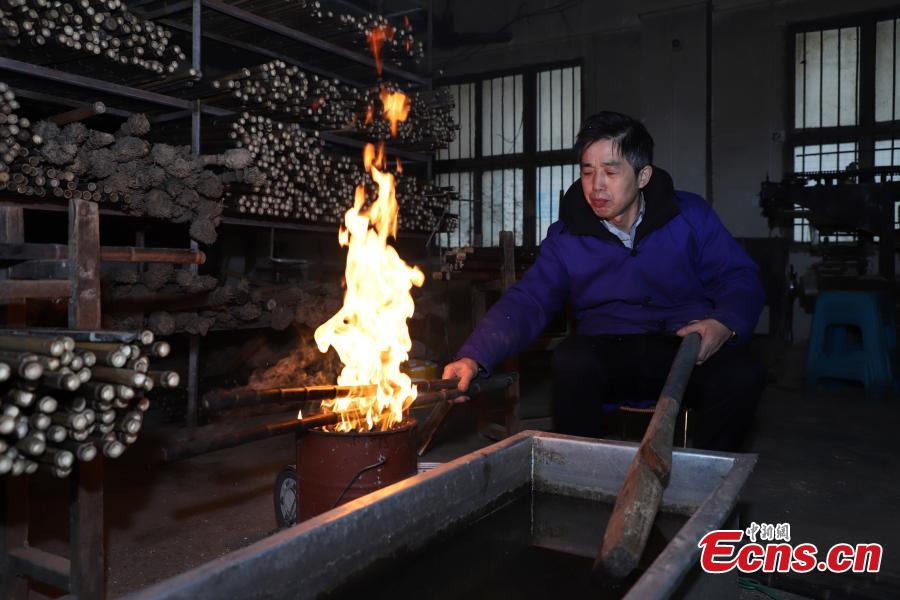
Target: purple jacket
<point>684,266</point>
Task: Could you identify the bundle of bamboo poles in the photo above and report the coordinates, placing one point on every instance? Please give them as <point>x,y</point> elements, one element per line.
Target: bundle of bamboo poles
<point>342,29</point>
<point>16,140</point>
<point>122,168</point>
<point>306,179</point>
<point>399,41</point>
<point>429,126</point>
<point>53,30</point>
<point>301,180</point>
<point>421,204</point>
<point>288,93</point>
<point>66,398</point>
<point>196,304</point>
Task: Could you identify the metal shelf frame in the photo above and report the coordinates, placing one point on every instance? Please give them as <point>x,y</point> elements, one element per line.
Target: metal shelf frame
<point>271,26</point>
<point>99,85</point>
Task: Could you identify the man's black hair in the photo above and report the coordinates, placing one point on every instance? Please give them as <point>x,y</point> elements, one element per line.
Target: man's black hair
<point>627,134</point>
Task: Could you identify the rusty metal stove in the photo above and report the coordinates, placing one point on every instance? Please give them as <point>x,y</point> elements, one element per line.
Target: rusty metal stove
<point>336,467</point>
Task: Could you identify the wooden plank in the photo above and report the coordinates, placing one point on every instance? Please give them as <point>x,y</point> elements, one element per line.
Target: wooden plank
<point>23,251</point>
<point>88,564</point>
<point>639,499</point>
<point>13,289</point>
<point>39,270</point>
<point>84,253</point>
<point>41,566</point>
<point>28,251</point>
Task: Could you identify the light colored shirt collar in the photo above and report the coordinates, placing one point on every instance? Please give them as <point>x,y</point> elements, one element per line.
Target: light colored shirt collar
<point>627,237</point>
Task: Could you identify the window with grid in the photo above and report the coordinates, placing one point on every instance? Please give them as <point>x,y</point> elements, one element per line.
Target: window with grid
<point>887,154</point>
<point>846,106</point>
<point>513,154</point>
<point>887,98</point>
<point>460,207</point>
<point>552,183</point>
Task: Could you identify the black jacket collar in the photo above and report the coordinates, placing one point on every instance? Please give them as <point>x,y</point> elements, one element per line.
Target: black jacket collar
<point>659,209</point>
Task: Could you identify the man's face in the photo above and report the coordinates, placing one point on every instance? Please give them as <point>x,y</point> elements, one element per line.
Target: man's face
<point>610,185</point>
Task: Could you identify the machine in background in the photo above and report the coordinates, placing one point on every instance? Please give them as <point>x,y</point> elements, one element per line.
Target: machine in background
<point>854,216</point>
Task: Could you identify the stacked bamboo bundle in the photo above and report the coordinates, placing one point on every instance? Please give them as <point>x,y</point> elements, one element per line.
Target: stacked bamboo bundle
<point>197,304</point>
<point>288,93</point>
<point>16,141</point>
<point>300,178</point>
<point>121,168</point>
<point>306,179</point>
<point>65,398</point>
<point>51,31</point>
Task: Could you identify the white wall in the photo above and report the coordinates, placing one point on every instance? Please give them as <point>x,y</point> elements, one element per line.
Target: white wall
<point>673,71</point>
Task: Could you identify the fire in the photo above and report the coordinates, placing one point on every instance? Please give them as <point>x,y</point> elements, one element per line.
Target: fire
<point>377,37</point>
<point>369,332</point>
<point>396,108</point>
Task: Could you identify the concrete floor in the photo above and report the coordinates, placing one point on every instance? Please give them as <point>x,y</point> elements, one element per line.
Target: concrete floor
<point>828,466</point>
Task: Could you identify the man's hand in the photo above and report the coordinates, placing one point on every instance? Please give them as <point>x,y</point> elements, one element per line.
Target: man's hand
<point>712,335</point>
<point>465,369</point>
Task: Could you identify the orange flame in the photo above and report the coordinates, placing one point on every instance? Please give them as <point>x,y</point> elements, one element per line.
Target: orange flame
<point>396,108</point>
<point>373,157</point>
<point>370,114</point>
<point>369,332</point>
<point>377,37</point>
<point>399,166</point>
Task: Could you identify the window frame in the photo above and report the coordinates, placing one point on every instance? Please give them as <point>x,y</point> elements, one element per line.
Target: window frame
<point>529,160</point>
<point>866,132</point>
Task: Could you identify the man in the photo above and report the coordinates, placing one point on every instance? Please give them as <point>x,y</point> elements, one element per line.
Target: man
<point>641,264</point>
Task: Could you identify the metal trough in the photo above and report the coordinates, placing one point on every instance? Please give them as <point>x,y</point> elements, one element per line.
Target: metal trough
<point>319,554</point>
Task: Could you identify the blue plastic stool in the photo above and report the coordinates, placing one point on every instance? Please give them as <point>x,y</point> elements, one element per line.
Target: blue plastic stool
<point>832,353</point>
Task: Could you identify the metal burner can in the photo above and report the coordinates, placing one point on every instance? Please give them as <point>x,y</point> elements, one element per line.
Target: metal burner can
<point>336,467</point>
